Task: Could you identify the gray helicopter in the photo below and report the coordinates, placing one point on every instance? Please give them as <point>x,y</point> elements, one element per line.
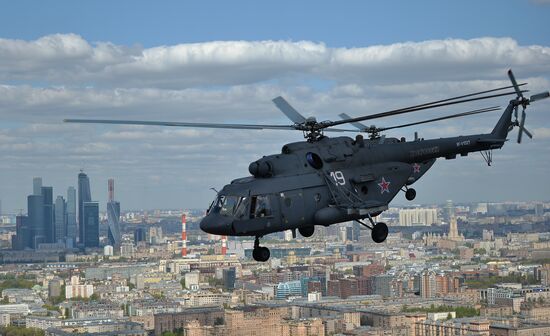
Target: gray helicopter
<point>328,180</point>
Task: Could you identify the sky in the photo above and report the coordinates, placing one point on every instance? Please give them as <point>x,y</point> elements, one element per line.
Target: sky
<point>221,61</point>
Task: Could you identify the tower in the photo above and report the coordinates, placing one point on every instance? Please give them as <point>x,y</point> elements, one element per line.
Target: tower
<point>183,235</point>
<point>35,220</point>
<point>113,216</point>
<point>453,229</point>
<point>224,245</point>
<point>37,186</point>
<point>60,219</point>
<point>90,220</point>
<point>84,195</point>
<point>72,228</point>
<point>48,219</point>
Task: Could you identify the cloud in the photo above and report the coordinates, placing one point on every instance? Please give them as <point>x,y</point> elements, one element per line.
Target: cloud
<point>69,59</point>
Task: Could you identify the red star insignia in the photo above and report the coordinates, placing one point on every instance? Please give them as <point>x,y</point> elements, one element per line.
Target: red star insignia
<point>384,186</point>
<point>416,168</point>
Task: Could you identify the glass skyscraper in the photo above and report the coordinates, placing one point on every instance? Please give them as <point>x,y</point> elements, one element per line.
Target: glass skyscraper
<point>71,217</point>
<point>84,195</point>
<point>90,217</point>
<point>35,206</point>
<point>113,216</point>
<point>37,186</point>
<point>49,224</point>
<point>60,219</point>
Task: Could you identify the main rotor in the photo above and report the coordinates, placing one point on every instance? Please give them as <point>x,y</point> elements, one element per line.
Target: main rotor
<point>313,130</point>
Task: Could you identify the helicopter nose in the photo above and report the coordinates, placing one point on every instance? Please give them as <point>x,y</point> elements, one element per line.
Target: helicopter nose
<point>216,224</point>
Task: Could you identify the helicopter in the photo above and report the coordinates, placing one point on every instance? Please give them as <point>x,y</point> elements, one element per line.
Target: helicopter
<point>327,180</point>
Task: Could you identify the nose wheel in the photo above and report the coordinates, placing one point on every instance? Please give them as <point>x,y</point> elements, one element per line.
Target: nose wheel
<point>260,253</point>
<point>379,231</point>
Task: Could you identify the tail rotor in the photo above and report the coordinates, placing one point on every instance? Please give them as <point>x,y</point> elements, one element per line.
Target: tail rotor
<point>523,102</point>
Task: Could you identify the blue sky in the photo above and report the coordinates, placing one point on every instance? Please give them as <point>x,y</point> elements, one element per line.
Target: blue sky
<point>336,23</point>
<point>223,61</point>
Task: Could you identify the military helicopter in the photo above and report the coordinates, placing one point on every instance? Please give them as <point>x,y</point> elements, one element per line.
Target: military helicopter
<point>324,180</point>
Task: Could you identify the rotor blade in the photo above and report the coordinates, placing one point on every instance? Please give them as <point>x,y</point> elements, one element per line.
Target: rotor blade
<point>514,83</point>
<point>412,109</point>
<point>465,96</point>
<point>200,125</point>
<point>357,125</point>
<point>288,110</point>
<point>463,114</point>
<point>539,96</point>
<point>178,124</point>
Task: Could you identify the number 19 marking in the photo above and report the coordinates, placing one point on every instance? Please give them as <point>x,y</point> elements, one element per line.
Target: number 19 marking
<point>338,177</point>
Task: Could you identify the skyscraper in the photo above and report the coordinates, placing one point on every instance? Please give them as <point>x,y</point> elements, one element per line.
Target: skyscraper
<point>113,216</point>
<point>37,186</point>
<point>60,219</point>
<point>22,238</point>
<point>84,195</point>
<point>90,219</point>
<point>71,229</point>
<point>48,223</point>
<point>35,206</point>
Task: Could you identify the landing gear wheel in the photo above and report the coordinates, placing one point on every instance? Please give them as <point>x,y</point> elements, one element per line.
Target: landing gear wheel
<point>307,231</point>
<point>261,254</point>
<point>255,254</point>
<point>379,232</point>
<point>410,194</point>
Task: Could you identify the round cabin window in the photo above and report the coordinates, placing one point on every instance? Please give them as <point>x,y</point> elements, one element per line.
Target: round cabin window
<point>314,160</point>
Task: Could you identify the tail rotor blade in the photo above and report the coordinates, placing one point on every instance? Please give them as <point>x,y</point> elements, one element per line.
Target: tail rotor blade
<point>529,134</point>
<point>514,83</point>
<point>521,126</point>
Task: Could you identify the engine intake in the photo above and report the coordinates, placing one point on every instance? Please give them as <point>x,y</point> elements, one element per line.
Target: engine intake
<point>261,168</point>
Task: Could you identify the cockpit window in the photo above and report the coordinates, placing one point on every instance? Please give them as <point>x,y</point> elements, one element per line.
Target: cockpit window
<point>235,206</point>
<point>260,206</point>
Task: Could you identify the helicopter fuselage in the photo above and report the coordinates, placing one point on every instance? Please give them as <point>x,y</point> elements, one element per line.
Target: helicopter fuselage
<point>332,180</point>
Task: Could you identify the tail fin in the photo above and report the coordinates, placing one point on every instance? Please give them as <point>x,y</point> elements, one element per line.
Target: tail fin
<point>503,125</point>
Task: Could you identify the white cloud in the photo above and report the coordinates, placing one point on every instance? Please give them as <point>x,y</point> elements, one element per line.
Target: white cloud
<point>69,59</point>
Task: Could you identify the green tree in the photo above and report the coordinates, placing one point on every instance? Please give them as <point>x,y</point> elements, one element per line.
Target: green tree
<point>20,331</point>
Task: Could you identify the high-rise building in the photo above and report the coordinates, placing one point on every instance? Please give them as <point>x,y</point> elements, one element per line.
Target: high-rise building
<point>37,186</point>
<point>71,216</point>
<point>420,216</point>
<point>84,195</point>
<point>90,219</point>
<point>22,239</point>
<point>35,206</point>
<point>228,276</point>
<point>139,235</point>
<point>49,223</point>
<point>60,219</point>
<point>428,286</point>
<point>113,216</point>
